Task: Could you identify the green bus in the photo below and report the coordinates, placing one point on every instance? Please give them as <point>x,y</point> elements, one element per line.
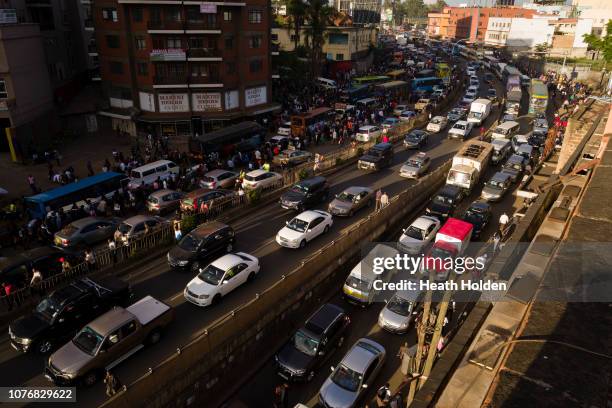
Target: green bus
<point>538,98</point>
<point>370,80</point>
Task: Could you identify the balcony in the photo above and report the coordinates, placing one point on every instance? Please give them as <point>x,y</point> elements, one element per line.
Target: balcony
<point>274,49</point>
<point>204,54</point>
<point>94,75</point>
<point>170,27</point>
<point>89,24</point>
<point>177,81</point>
<point>202,27</point>
<point>166,81</point>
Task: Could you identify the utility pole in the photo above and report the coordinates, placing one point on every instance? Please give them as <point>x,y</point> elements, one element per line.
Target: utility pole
<point>433,346</point>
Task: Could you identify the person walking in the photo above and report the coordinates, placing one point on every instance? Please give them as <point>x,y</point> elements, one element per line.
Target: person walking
<point>384,200</point>
<point>35,282</point>
<point>503,222</point>
<point>8,291</point>
<point>178,234</point>
<point>378,198</point>
<point>112,248</point>
<point>496,239</point>
<point>90,258</point>
<point>383,395</point>
<point>32,183</point>
<point>112,384</point>
<point>281,396</point>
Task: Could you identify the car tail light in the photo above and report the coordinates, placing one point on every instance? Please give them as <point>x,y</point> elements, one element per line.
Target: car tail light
<point>213,184</point>
<point>347,319</point>
<point>65,241</point>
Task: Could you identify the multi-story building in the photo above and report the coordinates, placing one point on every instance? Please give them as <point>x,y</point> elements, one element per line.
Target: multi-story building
<point>179,68</point>
<point>361,11</point>
<point>519,33</point>
<point>599,11</point>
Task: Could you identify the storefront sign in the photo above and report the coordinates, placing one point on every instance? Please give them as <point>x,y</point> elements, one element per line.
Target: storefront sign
<point>147,102</point>
<point>206,102</point>
<point>255,96</point>
<point>170,54</point>
<point>173,103</point>
<point>231,100</point>
<point>208,8</point>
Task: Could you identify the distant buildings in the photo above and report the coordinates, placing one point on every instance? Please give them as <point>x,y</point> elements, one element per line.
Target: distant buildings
<point>361,11</point>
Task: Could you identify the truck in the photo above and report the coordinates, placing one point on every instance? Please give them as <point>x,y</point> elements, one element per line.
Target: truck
<point>107,341</point>
<point>451,242</point>
<point>514,96</point>
<point>479,111</point>
<point>469,164</point>
<point>513,81</point>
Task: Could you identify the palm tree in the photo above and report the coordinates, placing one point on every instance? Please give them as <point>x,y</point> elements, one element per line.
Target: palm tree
<point>297,10</point>
<point>317,14</point>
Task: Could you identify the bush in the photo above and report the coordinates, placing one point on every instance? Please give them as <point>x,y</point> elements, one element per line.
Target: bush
<point>253,195</point>
<point>339,161</point>
<point>188,223</point>
<point>303,174</point>
<point>360,151</point>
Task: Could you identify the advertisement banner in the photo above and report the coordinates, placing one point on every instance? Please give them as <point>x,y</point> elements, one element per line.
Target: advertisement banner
<point>147,102</point>
<point>208,8</point>
<point>206,102</point>
<point>255,96</point>
<point>170,54</point>
<point>173,103</point>
<point>231,100</point>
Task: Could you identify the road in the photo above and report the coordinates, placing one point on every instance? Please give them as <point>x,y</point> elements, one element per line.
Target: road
<point>255,235</point>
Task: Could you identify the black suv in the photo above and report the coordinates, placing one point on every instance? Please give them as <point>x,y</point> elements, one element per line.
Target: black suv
<point>311,345</point>
<point>65,311</point>
<point>306,194</point>
<point>208,239</point>
<point>378,157</point>
<point>17,269</point>
<point>478,214</point>
<point>445,201</point>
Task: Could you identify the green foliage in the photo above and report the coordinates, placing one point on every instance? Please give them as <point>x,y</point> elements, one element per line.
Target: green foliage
<point>437,6</point>
<point>360,151</point>
<point>188,223</point>
<point>253,195</point>
<point>303,174</point>
<point>603,44</point>
<point>412,9</point>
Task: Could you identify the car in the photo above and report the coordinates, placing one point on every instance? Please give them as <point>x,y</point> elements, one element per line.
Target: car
<point>407,115</point>
<point>221,277</point>
<point>397,111</point>
<point>461,129</point>
<point>440,87</point>
<point>304,228</point>
<point>422,104</point>
<point>478,214</point>
<point>194,200</point>
<point>416,139</point>
<point>16,269</point>
<point>86,232</point>
<point>456,114</point>
<point>65,311</point>
<point>322,334</point>
<point>438,95</point>
<point>469,97</point>
<point>471,71</point>
<point>135,227</point>
<point>514,167</point>
<point>351,200</point>
<point>282,141</point>
<point>390,124</point>
<point>419,234</point>
<point>473,89</point>
<point>518,140</point>
<point>537,139</point>
<point>474,81</point>
<point>527,151</point>
<point>540,125</point>
<point>164,201</point>
<point>437,124</point>
<point>443,204</point>
<point>368,133</point>
<point>501,150</point>
<point>416,166</point>
<point>291,157</point>
<point>204,241</point>
<point>488,77</point>
<point>284,129</point>
<point>261,179</point>
<point>219,179</point>
<point>305,194</point>
<point>351,378</point>
<point>400,311</point>
<point>492,94</point>
<point>377,157</point>
<point>496,187</point>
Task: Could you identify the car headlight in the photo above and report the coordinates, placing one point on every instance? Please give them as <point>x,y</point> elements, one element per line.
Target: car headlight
<point>203,296</point>
<point>26,341</point>
<point>404,325</point>
<point>299,372</point>
<point>182,263</point>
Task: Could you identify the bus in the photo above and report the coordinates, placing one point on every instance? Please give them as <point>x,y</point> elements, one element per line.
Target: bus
<point>299,123</point>
<point>370,80</point>
<point>538,98</point>
<point>425,73</point>
<point>396,74</point>
<point>490,61</point>
<point>510,71</point>
<point>92,188</point>
<point>443,71</point>
<point>397,90</point>
<point>355,93</point>
<point>243,137</point>
<point>420,85</point>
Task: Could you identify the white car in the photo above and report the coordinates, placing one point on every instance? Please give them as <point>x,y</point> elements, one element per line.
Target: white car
<point>220,278</point>
<point>284,129</point>
<point>261,179</point>
<point>367,133</point>
<point>419,234</point>
<point>471,71</point>
<point>437,124</point>
<point>473,89</point>
<point>304,228</point>
<point>461,129</point>
<point>407,115</point>
<point>469,97</point>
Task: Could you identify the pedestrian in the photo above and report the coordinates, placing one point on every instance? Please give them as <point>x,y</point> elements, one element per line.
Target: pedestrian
<point>281,396</point>
<point>90,170</point>
<point>496,239</point>
<point>378,198</point>
<point>112,384</point>
<point>8,292</point>
<point>503,221</point>
<point>65,265</point>
<point>383,395</point>
<point>384,200</point>
<point>90,259</point>
<point>32,183</point>
<point>178,234</point>
<point>441,344</point>
<point>112,248</point>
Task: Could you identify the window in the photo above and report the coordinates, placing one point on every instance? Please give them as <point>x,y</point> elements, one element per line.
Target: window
<point>227,16</point>
<point>137,14</point>
<point>255,65</point>
<point>173,14</point>
<point>196,43</point>
<point>155,14</point>
<point>115,67</point>
<point>194,15</point>
<point>255,16</point>
<point>255,41</point>
<point>142,68</point>
<point>293,38</point>
<point>128,329</point>
<point>110,14</point>
<point>141,43</point>
<point>338,38</point>
<point>3,93</point>
<point>112,41</point>
<point>274,37</point>
<point>339,57</point>
<point>173,43</point>
<point>229,42</point>
<point>230,68</point>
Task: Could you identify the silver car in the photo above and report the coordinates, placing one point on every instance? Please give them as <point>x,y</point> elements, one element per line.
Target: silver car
<point>219,179</point>
<point>416,166</point>
<point>85,232</point>
<point>400,311</point>
<point>351,200</point>
<point>139,225</point>
<point>356,372</point>
<point>496,188</point>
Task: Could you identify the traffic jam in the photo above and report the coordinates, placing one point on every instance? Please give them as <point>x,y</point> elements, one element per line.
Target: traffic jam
<point>493,131</point>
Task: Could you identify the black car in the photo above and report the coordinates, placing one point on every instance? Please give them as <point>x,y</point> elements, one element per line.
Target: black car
<point>17,270</point>
<point>311,345</point>
<point>416,139</point>
<point>211,238</point>
<point>64,312</point>
<point>478,214</point>
<point>443,204</point>
<point>537,139</point>
<point>377,157</point>
<point>306,194</point>
<point>489,78</point>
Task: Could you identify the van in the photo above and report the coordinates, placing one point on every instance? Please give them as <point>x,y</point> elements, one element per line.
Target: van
<point>327,83</point>
<point>518,140</point>
<point>369,103</point>
<point>506,130</point>
<point>378,157</point>
<point>501,150</point>
<point>367,133</point>
<point>148,173</point>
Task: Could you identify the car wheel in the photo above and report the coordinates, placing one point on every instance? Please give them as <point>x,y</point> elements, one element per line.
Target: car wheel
<point>195,267</point>
<point>326,230</point>
<point>44,347</point>
<point>310,376</point>
<point>216,299</point>
<point>229,247</point>
<point>154,337</point>
<point>303,243</point>
<point>90,379</point>
<point>251,277</point>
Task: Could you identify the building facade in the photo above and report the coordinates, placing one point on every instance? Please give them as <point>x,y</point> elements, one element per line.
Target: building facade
<point>361,11</point>
<point>519,34</point>
<point>599,11</point>
<point>180,68</point>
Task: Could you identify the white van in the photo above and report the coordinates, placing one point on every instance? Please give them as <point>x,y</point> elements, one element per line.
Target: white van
<point>369,103</point>
<point>368,133</point>
<point>327,83</point>
<point>506,130</point>
<point>148,173</point>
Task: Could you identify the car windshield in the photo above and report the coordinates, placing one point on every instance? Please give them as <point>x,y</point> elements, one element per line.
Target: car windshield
<point>344,196</point>
<point>88,340</point>
<point>356,283</point>
<point>436,121</point>
<point>414,136</point>
<point>304,343</point>
<point>251,178</point>
<point>400,306</point>
<point>459,126</point>
<point>374,152</point>
<point>69,230</point>
<point>472,215</point>
<point>124,228</point>
<point>442,199</point>
<point>413,163</point>
<point>207,179</point>
<point>298,188</point>
<point>501,131</point>
<point>297,225</point>
<point>495,184</point>
<point>513,166</point>
<point>48,308</point>
<point>414,232</point>
<point>346,378</point>
<point>211,275</point>
<point>476,115</point>
<point>189,243</point>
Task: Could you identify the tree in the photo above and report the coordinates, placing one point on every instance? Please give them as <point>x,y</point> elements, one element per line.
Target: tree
<point>541,49</point>
<point>317,14</point>
<point>437,6</point>
<point>413,9</point>
<point>603,44</point>
<point>297,10</point>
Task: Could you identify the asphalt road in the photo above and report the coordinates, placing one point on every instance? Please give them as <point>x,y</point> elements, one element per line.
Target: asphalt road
<point>255,235</point>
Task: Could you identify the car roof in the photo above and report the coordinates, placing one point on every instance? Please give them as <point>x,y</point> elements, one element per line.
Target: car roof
<point>449,189</point>
<point>500,176</point>
<point>367,127</point>
<point>309,215</point>
<point>480,205</point>
<point>359,358</point>
<point>508,124</point>
<point>382,146</point>
<point>312,180</point>
<point>83,222</point>
<point>356,189</point>
<point>198,192</point>
<point>516,158</point>
<point>322,318</point>
<point>227,261</point>
<point>500,142</point>
<point>255,173</point>
<point>217,172</point>
<point>423,222</point>
<point>208,228</point>
<point>160,193</point>
<point>439,117</point>
<point>460,122</point>
<point>109,321</point>
<point>137,219</point>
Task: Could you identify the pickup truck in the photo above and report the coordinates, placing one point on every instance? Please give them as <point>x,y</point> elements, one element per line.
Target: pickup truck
<point>107,341</point>
<point>451,242</point>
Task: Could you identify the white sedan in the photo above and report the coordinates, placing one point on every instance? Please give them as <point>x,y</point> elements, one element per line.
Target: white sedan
<point>304,228</point>
<point>437,124</point>
<point>461,129</point>
<point>261,179</point>
<point>220,278</point>
<point>419,234</point>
